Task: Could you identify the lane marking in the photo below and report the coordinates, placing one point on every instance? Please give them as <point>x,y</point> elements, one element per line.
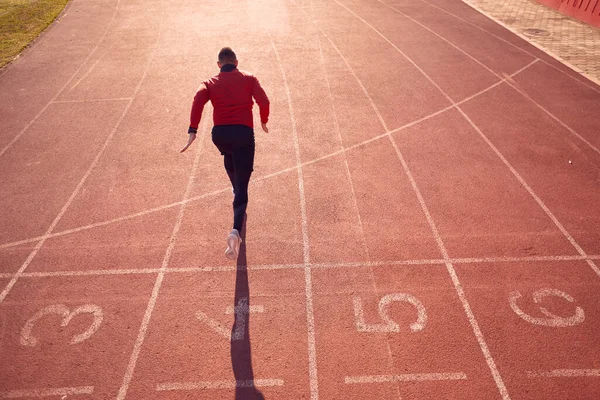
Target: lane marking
<point>516,87</point>
<point>336,125</point>
<point>65,207</point>
<point>533,194</point>
<point>167,258</point>
<point>241,310</point>
<point>65,391</point>
<point>450,268</point>
<point>439,36</point>
<point>251,310</point>
<point>457,285</point>
<point>564,373</point>
<point>551,319</point>
<point>360,84</point>
<point>444,376</point>
<point>389,324</point>
<point>91,100</point>
<point>27,339</point>
<point>219,384</point>
<point>356,264</point>
<point>39,114</point>
<point>310,318</point>
<point>214,325</point>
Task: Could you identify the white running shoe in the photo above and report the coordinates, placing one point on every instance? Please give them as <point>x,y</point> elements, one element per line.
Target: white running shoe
<point>233,245</point>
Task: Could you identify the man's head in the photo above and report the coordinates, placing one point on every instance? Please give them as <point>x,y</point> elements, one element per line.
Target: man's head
<point>227,56</point>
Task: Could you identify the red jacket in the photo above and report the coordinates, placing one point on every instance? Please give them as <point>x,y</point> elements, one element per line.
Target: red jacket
<point>231,95</point>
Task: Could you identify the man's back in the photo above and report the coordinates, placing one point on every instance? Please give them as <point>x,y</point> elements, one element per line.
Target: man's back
<point>231,92</point>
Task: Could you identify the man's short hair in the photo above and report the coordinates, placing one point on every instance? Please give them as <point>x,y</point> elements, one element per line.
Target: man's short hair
<point>226,55</point>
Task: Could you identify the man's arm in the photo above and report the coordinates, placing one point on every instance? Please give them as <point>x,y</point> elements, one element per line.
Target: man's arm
<point>200,100</point>
<point>263,102</point>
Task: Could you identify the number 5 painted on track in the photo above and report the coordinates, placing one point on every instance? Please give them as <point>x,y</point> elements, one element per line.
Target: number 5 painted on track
<point>28,340</point>
<point>551,319</point>
<point>389,324</point>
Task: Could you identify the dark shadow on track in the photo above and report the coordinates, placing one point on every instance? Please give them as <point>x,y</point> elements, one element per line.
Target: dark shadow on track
<point>241,360</point>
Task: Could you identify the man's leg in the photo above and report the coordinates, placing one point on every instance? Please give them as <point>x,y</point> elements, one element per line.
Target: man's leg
<point>236,144</point>
<point>243,159</point>
<point>240,200</point>
<point>229,167</point>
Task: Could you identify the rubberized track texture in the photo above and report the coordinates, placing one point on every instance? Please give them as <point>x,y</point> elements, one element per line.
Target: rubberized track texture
<point>423,220</point>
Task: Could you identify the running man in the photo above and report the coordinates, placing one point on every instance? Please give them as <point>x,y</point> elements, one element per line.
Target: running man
<point>231,93</point>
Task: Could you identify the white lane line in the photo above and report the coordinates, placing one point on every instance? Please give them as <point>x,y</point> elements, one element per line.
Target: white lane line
<point>516,87</point>
<point>354,198</point>
<point>93,272</point>
<point>39,114</point>
<point>165,263</point>
<point>542,205</point>
<point>457,285</point>
<point>214,324</point>
<point>86,74</point>
<point>252,309</point>
<point>65,391</point>
<point>360,84</point>
<point>357,264</point>
<point>63,210</point>
<point>517,259</point>
<point>564,373</point>
<point>444,376</point>
<point>336,126</point>
<point>439,36</point>
<point>310,318</point>
<point>90,100</point>
<point>557,58</point>
<point>219,384</point>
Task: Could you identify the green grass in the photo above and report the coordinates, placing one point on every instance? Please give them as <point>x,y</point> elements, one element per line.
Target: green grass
<point>21,21</point>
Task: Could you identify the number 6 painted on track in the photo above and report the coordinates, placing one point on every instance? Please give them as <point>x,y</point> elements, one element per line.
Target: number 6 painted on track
<point>28,340</point>
<point>390,325</point>
<point>551,320</point>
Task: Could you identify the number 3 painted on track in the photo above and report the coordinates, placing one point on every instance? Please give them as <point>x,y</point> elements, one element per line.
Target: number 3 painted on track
<point>390,325</point>
<point>551,320</point>
<point>28,340</point>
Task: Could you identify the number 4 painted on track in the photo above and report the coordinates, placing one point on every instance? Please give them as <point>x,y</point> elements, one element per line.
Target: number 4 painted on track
<point>389,324</point>
<point>241,310</point>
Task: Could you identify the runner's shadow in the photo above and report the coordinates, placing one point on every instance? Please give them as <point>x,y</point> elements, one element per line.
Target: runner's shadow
<point>241,360</point>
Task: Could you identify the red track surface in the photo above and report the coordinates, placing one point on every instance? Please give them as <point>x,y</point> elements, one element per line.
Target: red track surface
<point>424,215</point>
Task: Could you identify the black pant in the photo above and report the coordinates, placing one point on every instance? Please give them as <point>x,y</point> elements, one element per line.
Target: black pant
<point>236,144</point>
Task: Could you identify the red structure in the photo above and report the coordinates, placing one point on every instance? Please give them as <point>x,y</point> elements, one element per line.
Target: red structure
<point>585,10</point>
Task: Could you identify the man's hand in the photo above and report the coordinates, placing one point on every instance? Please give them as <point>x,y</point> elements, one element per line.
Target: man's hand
<point>264,127</point>
<point>189,143</point>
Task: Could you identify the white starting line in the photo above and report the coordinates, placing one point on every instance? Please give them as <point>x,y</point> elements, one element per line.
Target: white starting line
<point>564,373</point>
<point>219,384</point>
<point>445,376</point>
<point>65,391</point>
